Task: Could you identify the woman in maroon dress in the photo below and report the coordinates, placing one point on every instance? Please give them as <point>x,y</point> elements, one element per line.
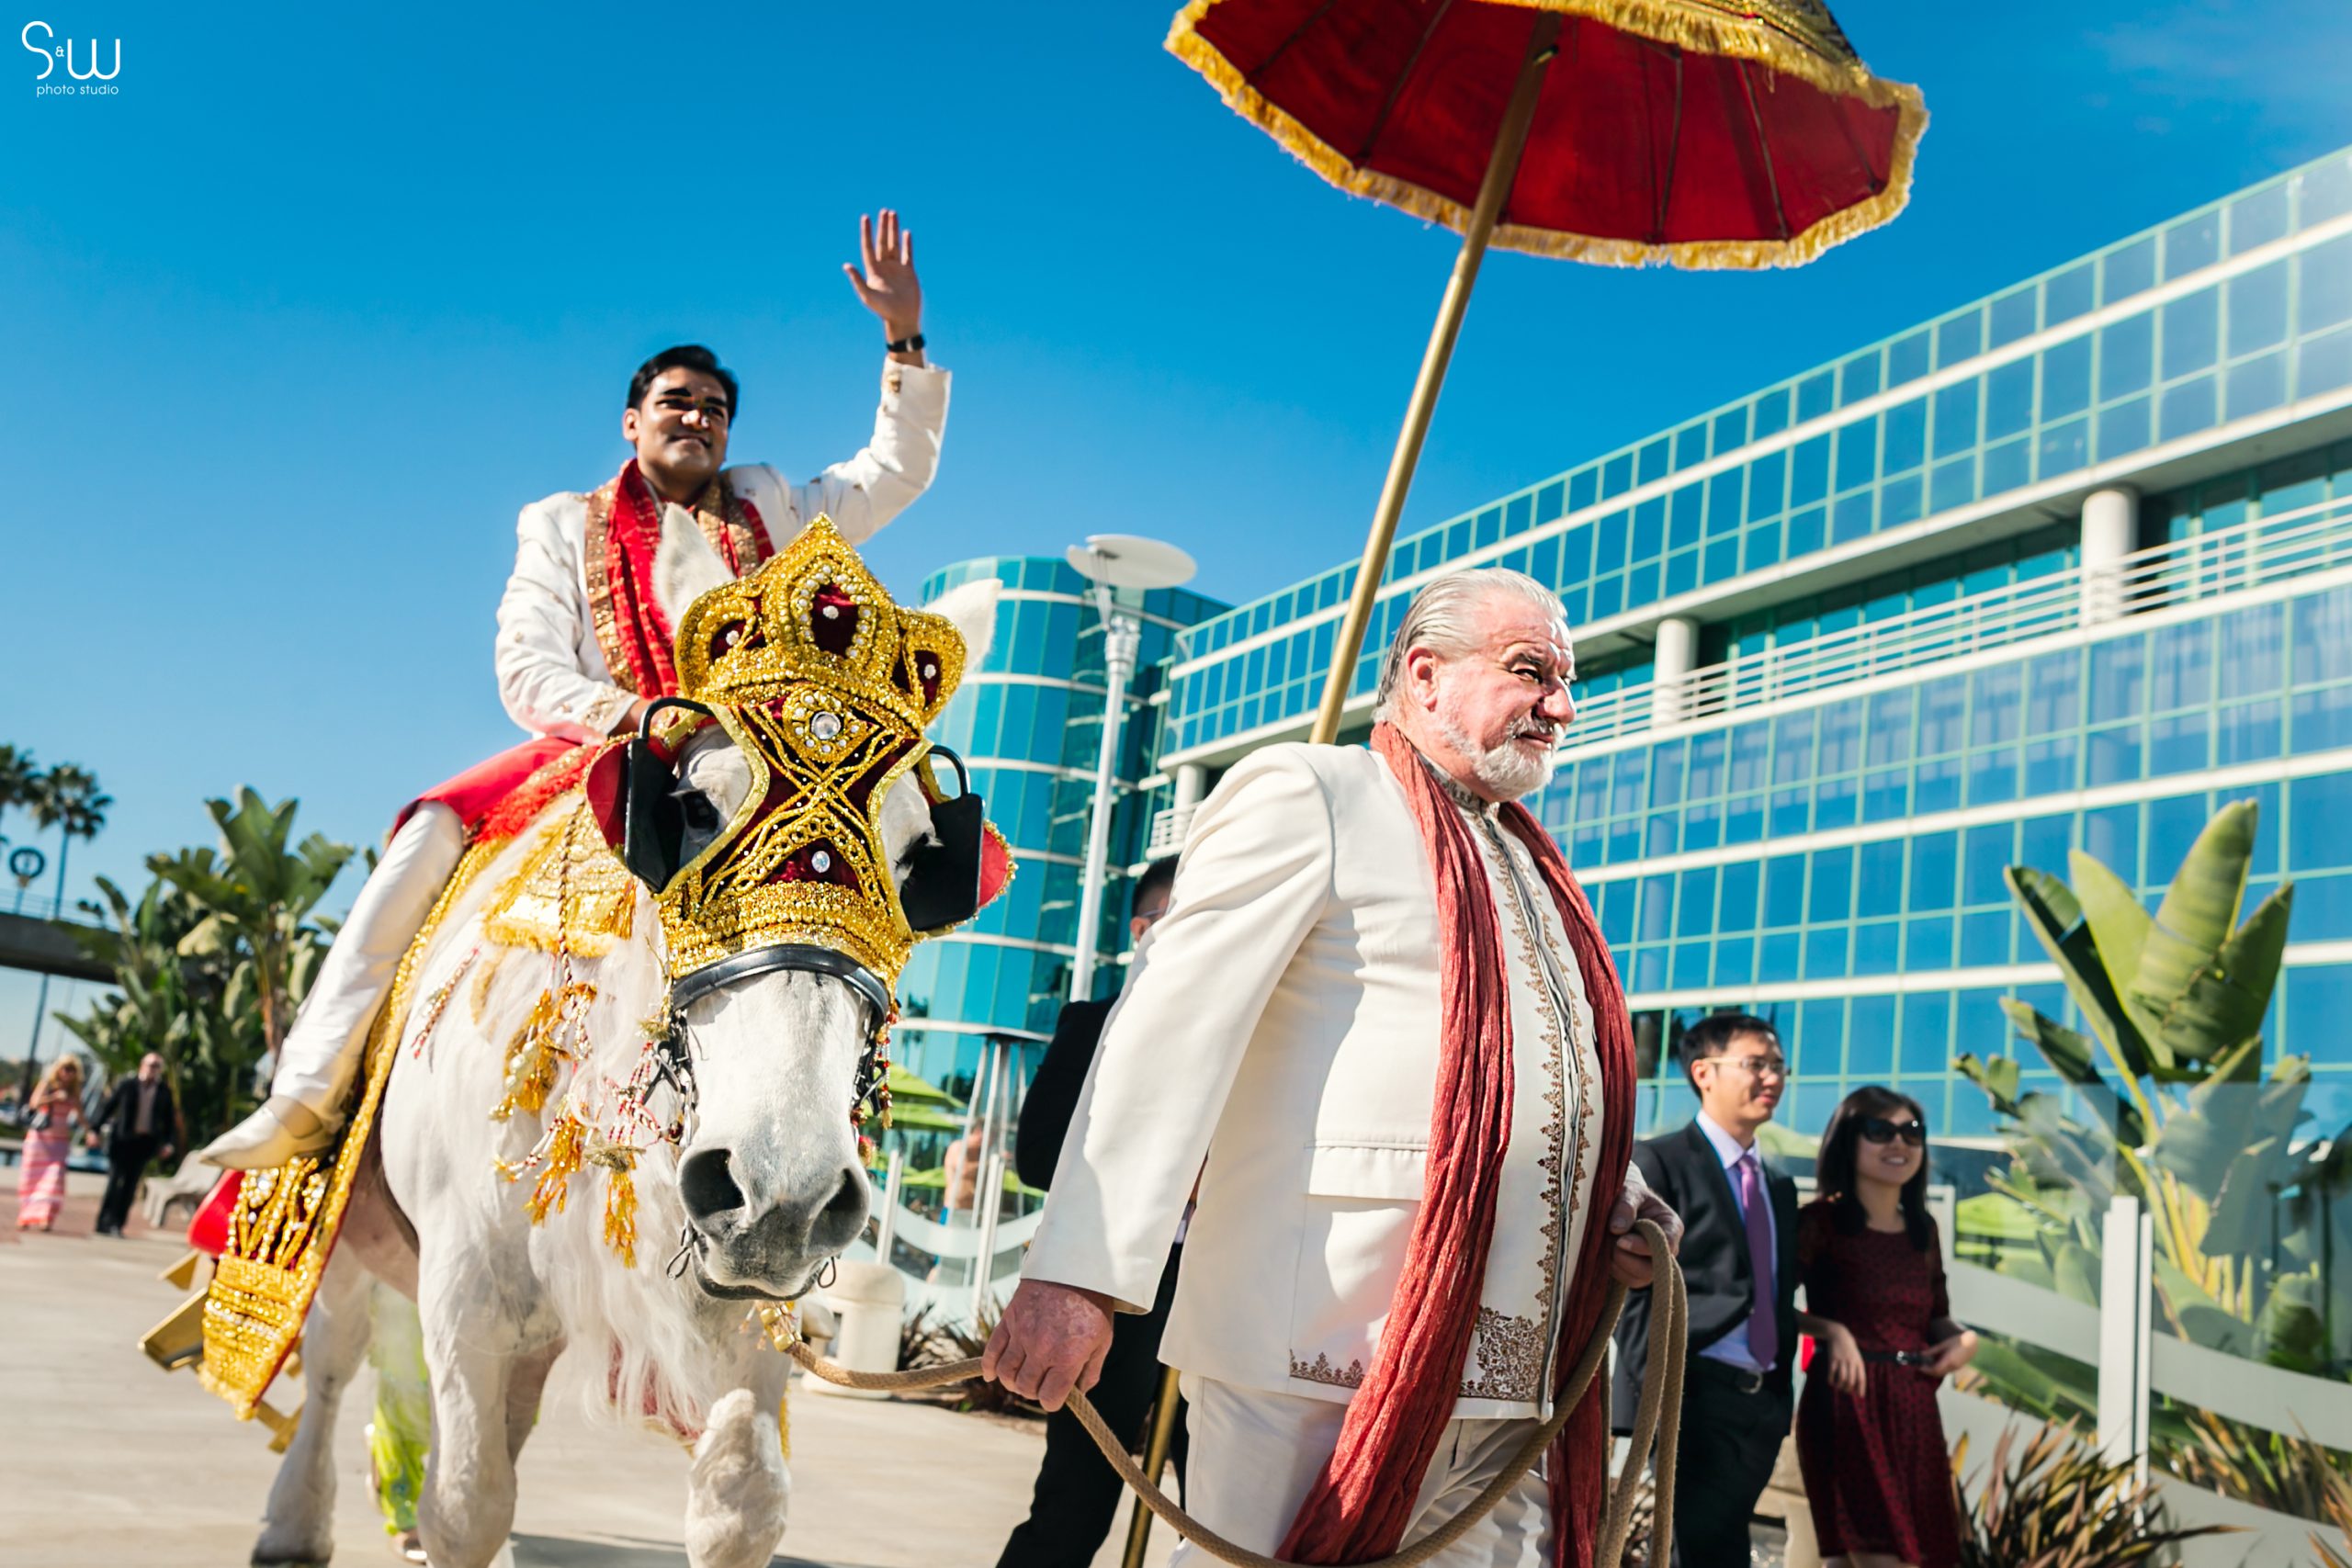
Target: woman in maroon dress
<point>1869,1438</point>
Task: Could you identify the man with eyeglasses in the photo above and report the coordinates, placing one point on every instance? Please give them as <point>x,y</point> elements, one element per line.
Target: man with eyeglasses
<point>1739,1213</point>
<point>584,649</point>
<point>1077,1495</point>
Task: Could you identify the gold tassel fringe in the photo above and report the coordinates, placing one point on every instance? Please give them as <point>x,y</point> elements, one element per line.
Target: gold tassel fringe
<point>534,1056</point>
<point>620,1204</point>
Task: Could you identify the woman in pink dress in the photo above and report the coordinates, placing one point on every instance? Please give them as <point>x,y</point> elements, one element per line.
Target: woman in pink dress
<point>55,1110</point>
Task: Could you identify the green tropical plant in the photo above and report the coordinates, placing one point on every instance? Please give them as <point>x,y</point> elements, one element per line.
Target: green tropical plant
<point>2285,1473</point>
<point>2179,1114</point>
<point>198,1014</point>
<point>2053,1503</point>
<point>258,892</point>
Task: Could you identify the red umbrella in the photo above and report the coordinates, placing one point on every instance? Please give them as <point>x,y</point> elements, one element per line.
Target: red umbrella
<point>1696,134</point>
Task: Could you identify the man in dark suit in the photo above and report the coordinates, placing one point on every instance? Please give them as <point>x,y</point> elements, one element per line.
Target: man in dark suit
<point>1739,1217</point>
<point>1077,1495</point>
<point>140,1122</point>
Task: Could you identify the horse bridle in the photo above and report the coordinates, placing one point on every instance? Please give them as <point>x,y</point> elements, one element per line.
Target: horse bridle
<point>676,1065</point>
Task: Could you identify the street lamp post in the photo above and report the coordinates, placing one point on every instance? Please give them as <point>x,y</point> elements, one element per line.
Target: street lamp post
<point>1113,561</point>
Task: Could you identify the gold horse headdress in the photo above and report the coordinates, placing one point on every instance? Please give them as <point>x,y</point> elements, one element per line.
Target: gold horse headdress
<point>825,685</point>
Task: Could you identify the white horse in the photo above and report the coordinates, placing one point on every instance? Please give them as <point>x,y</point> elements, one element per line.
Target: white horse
<point>763,1189</point>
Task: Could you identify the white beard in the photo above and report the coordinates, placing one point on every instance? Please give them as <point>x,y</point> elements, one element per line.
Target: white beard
<point>1506,770</point>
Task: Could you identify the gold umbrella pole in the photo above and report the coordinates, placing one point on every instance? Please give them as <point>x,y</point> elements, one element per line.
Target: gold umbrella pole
<point>1155,1459</point>
<point>1502,168</point>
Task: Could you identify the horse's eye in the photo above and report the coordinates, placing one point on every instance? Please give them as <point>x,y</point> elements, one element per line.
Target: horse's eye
<point>700,814</point>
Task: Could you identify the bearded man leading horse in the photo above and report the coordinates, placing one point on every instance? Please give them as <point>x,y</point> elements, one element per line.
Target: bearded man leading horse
<point>656,1009</point>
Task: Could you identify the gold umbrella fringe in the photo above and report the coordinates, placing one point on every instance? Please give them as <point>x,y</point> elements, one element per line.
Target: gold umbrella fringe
<point>1651,19</point>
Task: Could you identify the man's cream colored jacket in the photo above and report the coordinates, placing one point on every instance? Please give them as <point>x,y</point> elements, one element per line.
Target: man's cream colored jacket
<point>551,671</point>
<point>1281,1023</point>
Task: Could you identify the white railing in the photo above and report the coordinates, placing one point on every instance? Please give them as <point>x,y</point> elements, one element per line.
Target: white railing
<point>2290,544</point>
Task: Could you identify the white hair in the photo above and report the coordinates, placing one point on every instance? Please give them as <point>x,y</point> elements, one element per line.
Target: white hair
<point>1441,619</point>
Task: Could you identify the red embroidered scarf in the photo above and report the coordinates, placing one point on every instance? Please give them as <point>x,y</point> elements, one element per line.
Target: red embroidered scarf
<point>623,536</point>
<point>1360,1505</point>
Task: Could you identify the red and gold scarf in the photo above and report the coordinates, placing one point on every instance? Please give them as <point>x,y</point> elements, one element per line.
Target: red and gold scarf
<point>1360,1505</point>
<point>623,536</point>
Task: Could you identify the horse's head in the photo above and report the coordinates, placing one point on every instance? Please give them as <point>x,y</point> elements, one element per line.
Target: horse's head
<point>801,842</point>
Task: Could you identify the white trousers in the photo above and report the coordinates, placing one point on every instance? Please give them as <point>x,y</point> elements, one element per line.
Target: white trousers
<point>321,1053</point>
<point>1255,1455</point>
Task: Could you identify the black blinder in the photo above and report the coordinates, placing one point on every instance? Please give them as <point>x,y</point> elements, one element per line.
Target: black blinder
<point>943,885</point>
<point>653,821</point>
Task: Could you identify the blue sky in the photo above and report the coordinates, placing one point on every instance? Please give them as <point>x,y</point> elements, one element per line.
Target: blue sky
<point>305,312</point>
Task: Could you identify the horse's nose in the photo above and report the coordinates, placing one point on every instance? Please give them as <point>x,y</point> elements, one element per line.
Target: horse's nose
<point>708,1187</point>
<point>843,1217</point>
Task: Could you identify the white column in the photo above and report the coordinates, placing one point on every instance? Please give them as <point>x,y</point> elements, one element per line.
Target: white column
<point>2110,532</point>
<point>1677,652</point>
<point>1121,638</point>
<point>1192,783</point>
<point>2127,1259</point>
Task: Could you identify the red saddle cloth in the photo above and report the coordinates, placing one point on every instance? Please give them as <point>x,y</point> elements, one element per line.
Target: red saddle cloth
<point>209,1232</point>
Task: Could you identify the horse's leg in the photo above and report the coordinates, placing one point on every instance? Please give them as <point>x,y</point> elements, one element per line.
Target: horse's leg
<point>526,1376</point>
<point>299,1526</point>
<point>468,1501</point>
<point>737,1494</point>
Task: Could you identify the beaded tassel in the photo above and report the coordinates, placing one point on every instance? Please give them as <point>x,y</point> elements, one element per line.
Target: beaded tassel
<point>620,1204</point>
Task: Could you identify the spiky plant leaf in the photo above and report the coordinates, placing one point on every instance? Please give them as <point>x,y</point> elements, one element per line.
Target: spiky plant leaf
<point>2055,916</point>
<point>2196,917</point>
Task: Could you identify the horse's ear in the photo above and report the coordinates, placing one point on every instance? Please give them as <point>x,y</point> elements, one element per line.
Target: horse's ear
<point>965,864</point>
<point>685,567</point>
<point>970,607</point>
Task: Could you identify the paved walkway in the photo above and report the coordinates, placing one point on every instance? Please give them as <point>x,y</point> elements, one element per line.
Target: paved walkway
<point>112,1462</point>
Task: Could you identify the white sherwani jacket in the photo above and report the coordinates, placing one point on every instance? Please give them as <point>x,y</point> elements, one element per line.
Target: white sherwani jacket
<point>551,671</point>
<point>1282,1025</point>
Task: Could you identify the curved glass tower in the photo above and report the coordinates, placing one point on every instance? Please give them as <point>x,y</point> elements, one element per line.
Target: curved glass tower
<point>1028,723</point>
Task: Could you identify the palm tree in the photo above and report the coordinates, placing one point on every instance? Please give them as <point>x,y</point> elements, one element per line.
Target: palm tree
<point>66,797</point>
<point>18,774</point>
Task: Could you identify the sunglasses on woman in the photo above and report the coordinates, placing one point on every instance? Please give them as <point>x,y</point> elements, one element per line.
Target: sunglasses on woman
<point>1878,1129</point>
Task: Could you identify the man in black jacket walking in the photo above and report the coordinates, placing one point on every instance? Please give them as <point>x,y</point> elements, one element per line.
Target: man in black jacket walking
<point>1739,1217</point>
<point>1077,1495</point>
<point>140,1122</point>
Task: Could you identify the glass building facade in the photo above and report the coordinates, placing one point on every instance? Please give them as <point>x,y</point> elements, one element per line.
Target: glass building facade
<point>1028,723</point>
<point>2065,568</point>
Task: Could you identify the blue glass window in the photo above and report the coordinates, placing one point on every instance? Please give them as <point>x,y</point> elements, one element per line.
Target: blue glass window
<point>1858,453</point>
<point>1934,863</point>
<point>2324,298</point>
<point>2069,294</point>
<point>1857,378</point>
<point>1907,358</point>
<point>2192,333</point>
<point>1784,890</point>
<point>1652,460</point>
<point>2067,379</point>
<point>1955,419</point>
<point>2186,409</point>
<point>1958,338</point>
<point>2257,217</point>
<point>1833,886</point>
<point>1765,480</point>
<point>1771,414</point>
<point>1889,730</point>
<point>1907,438</point>
<point>2127,271</point>
<point>2012,317</point>
<point>2255,384</point>
<point>2258,310</point>
<point>1870,1038</point>
<point>2124,351</point>
<point>1738,896</point>
<point>1809,471</point>
<point>2192,242</point>
<point>1925,1032</point>
<point>1878,878</point>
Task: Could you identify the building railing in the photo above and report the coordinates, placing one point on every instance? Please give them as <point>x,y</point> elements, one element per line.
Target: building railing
<point>2285,545</point>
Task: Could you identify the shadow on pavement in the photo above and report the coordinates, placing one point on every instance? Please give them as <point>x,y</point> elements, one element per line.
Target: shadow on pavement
<point>558,1551</point>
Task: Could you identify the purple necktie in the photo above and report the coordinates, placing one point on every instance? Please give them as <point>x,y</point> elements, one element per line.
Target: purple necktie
<point>1763,1326</point>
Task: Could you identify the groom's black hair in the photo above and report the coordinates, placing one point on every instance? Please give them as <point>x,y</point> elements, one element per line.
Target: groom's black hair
<point>685,356</point>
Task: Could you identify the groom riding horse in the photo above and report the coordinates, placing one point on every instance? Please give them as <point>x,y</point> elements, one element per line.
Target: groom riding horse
<point>582,649</point>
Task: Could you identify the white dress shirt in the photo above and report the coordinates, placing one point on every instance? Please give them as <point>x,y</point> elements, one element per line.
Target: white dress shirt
<point>551,672</point>
<point>1732,1347</point>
